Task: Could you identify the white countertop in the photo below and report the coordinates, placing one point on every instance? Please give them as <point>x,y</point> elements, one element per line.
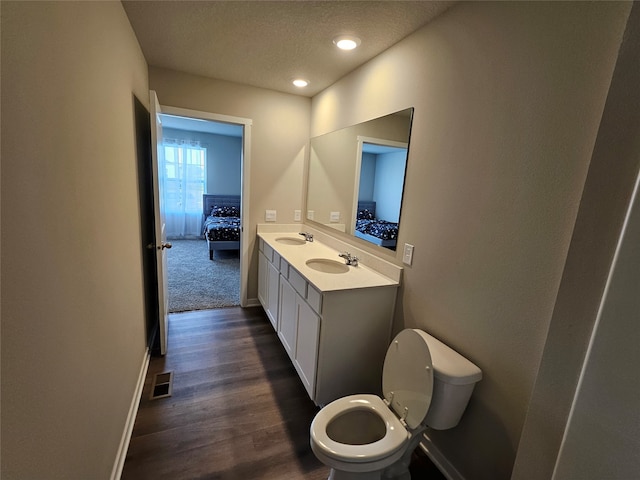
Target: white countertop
<point>297,255</point>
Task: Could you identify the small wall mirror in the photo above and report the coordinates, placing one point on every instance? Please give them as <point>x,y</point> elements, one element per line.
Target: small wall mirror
<point>356,178</point>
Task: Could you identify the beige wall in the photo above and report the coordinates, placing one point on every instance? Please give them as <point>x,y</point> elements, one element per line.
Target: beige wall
<point>508,98</point>
<point>279,138</point>
<point>610,409</point>
<point>73,338</point>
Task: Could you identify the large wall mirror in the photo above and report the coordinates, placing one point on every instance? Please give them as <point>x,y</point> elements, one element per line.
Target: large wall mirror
<point>356,178</point>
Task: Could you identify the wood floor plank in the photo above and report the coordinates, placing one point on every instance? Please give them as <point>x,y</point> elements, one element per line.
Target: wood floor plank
<point>238,410</point>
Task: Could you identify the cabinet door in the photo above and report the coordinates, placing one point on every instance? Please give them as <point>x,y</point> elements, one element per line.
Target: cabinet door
<point>306,351</point>
<point>273,281</point>
<point>288,316</point>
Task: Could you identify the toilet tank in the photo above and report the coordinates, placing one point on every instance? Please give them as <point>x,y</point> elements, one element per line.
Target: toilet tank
<point>454,378</point>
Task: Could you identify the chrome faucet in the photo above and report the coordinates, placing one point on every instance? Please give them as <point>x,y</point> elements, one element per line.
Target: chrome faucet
<point>307,236</point>
<point>349,259</point>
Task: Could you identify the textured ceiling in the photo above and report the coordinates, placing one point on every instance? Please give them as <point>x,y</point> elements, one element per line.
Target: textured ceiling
<point>268,43</point>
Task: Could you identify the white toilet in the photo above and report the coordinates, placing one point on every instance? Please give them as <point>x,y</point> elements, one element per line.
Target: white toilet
<point>425,384</point>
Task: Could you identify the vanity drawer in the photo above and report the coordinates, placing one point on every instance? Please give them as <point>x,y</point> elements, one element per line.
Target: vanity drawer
<point>306,290</point>
<point>284,268</point>
<point>298,282</point>
<point>276,260</point>
<point>268,252</point>
<point>314,299</point>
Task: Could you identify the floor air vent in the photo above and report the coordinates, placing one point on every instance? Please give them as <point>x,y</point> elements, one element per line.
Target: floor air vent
<point>162,385</point>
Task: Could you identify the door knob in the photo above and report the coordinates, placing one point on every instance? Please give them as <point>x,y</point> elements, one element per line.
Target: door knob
<point>162,246</point>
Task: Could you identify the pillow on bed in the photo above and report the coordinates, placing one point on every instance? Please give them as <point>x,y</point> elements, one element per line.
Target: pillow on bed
<point>366,214</point>
<point>227,211</point>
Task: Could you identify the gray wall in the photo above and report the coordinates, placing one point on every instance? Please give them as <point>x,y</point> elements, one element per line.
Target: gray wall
<point>508,100</point>
<point>389,182</point>
<point>367,176</point>
<point>73,334</point>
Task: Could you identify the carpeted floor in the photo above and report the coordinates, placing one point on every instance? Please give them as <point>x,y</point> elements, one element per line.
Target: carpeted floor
<point>197,283</point>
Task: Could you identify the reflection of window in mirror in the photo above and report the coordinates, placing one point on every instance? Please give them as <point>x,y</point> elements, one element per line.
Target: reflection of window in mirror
<point>379,190</point>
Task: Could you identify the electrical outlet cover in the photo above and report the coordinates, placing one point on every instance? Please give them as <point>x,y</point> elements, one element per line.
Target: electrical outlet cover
<point>407,254</point>
<point>270,216</point>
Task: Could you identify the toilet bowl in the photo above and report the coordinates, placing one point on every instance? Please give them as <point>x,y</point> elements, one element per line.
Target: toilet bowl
<point>425,384</point>
<point>357,433</point>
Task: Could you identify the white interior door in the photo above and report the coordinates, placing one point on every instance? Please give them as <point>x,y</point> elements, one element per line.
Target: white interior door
<point>157,153</point>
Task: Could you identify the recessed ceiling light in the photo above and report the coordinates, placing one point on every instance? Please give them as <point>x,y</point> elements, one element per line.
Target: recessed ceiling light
<point>300,82</point>
<point>346,42</point>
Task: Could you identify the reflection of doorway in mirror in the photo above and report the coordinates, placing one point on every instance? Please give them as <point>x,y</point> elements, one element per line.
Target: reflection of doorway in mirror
<point>378,190</point>
<point>334,169</point>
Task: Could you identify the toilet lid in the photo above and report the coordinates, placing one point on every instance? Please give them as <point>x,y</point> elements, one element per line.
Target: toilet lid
<point>407,378</point>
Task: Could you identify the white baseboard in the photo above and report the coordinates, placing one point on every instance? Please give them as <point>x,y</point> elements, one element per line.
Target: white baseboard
<point>252,302</point>
<point>439,460</point>
<point>131,418</point>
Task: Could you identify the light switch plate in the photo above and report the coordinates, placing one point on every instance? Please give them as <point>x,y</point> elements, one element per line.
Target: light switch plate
<point>407,254</point>
<point>270,216</point>
<point>297,214</point>
<point>334,217</point>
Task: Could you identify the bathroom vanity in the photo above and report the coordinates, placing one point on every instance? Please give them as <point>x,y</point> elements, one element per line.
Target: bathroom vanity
<point>334,320</point>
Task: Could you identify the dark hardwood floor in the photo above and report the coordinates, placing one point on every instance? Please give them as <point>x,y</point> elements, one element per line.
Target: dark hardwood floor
<point>238,410</point>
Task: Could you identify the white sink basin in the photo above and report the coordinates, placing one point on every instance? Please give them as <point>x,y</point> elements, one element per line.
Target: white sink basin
<point>291,241</point>
<point>326,265</point>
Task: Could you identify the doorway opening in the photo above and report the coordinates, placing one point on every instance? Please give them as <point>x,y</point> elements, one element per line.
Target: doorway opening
<point>203,184</point>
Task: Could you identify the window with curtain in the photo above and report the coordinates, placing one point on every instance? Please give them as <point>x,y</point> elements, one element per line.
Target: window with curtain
<point>184,183</point>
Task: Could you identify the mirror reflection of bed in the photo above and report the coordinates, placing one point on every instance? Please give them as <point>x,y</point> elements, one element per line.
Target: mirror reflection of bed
<point>380,186</point>
<point>371,229</point>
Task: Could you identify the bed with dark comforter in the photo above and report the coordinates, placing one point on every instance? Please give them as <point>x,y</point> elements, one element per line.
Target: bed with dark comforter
<point>368,227</point>
<point>221,222</point>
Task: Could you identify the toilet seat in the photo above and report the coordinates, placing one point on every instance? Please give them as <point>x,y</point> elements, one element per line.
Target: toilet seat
<point>395,438</point>
<point>407,376</point>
